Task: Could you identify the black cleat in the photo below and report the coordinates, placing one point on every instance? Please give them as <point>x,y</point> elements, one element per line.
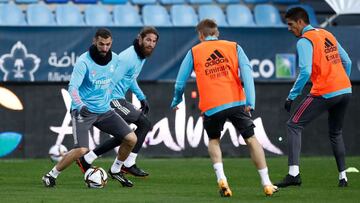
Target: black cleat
<point>48,180</point>
<point>134,170</point>
<point>121,178</point>
<point>83,165</point>
<point>289,180</point>
<point>343,183</point>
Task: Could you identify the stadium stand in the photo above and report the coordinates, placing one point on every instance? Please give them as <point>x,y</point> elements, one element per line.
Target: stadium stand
<point>26,1</point>
<point>97,15</point>
<point>126,15</point>
<point>39,14</point>
<point>85,1</point>
<point>212,12</point>
<point>286,1</point>
<point>239,15</point>
<point>170,2</point>
<point>69,15</point>
<point>200,1</point>
<point>155,15</point>
<point>56,1</point>
<point>228,1</point>
<point>12,15</point>
<point>256,1</point>
<point>183,15</point>
<point>114,1</point>
<point>267,15</point>
<point>142,2</point>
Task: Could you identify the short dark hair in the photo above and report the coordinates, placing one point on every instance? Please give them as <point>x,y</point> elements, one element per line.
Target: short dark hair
<point>149,30</point>
<point>296,14</point>
<point>207,27</point>
<point>103,33</point>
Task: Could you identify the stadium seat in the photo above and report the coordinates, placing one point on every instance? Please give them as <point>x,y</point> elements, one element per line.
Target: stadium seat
<point>167,2</point>
<point>142,2</point>
<point>183,15</point>
<point>310,11</point>
<point>69,15</point>
<point>4,1</point>
<point>10,14</point>
<point>39,14</point>
<point>285,1</point>
<point>114,1</point>
<point>26,1</point>
<point>228,1</point>
<point>85,1</point>
<point>255,1</point>
<point>56,1</point>
<point>267,15</point>
<point>155,15</point>
<point>239,15</point>
<point>126,15</point>
<point>200,1</point>
<point>212,12</point>
<point>97,15</point>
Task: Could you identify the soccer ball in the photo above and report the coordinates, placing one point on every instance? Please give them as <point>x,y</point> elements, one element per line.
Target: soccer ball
<point>57,152</point>
<point>95,177</point>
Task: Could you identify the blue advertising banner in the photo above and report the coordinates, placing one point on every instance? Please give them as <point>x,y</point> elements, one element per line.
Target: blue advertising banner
<point>47,54</point>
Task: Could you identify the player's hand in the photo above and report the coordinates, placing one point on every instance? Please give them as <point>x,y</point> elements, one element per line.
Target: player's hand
<point>287,105</point>
<point>248,109</point>
<point>145,108</point>
<point>175,108</point>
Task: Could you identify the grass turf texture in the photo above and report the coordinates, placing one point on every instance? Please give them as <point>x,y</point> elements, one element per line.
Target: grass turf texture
<point>179,180</point>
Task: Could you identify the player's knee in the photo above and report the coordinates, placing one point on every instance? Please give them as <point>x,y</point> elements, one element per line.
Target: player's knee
<point>130,139</point>
<point>80,151</point>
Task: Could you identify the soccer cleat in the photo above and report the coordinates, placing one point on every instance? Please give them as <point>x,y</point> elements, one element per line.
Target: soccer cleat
<point>134,170</point>
<point>121,178</point>
<point>48,180</point>
<point>83,165</point>
<point>224,189</point>
<point>269,190</point>
<point>343,183</point>
<point>290,180</point>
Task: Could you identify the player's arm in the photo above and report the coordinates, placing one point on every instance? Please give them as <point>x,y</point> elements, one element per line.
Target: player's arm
<point>134,87</point>
<point>76,80</point>
<point>345,59</point>
<point>186,68</point>
<point>305,52</point>
<point>246,77</point>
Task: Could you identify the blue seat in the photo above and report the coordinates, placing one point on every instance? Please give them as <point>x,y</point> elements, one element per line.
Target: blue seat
<point>255,1</point>
<point>228,1</point>
<point>166,2</point>
<point>183,15</point>
<point>114,1</point>
<point>26,1</point>
<point>310,11</point>
<point>39,14</point>
<point>97,15</point>
<point>155,15</point>
<point>56,1</point>
<point>285,1</point>
<point>142,2</point>
<point>4,1</point>
<point>200,1</point>
<point>10,14</point>
<point>268,16</point>
<point>69,15</point>
<point>213,12</point>
<point>126,15</point>
<point>239,15</point>
<point>85,1</point>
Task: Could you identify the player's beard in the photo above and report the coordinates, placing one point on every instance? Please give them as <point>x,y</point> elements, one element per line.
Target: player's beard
<point>146,51</point>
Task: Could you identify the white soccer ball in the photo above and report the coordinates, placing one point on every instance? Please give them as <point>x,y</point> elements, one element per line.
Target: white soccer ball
<point>57,152</point>
<point>95,177</point>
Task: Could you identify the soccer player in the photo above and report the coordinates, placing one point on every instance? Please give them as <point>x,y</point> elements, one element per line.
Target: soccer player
<point>94,77</point>
<point>325,62</point>
<point>217,64</point>
<point>132,60</point>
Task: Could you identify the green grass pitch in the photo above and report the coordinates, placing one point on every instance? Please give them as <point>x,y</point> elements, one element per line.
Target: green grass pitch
<point>179,180</point>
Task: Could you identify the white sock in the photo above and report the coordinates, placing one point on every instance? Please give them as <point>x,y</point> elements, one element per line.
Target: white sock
<point>90,157</point>
<point>116,167</point>
<point>264,175</point>
<point>54,172</point>
<point>342,175</point>
<point>219,171</point>
<point>130,160</point>
<point>294,170</point>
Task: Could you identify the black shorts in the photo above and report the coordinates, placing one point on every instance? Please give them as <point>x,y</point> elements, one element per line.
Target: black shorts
<point>126,110</point>
<point>108,122</point>
<point>214,124</point>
